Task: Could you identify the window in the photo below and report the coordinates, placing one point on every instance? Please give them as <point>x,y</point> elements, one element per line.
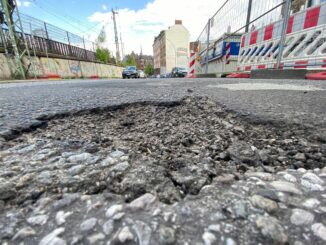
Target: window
<point>315,2</point>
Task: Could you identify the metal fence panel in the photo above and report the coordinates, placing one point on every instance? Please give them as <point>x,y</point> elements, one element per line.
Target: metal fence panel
<point>235,17</point>
<point>39,28</point>
<point>304,43</point>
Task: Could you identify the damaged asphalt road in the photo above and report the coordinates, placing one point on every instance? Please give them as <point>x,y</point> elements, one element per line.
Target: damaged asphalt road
<point>172,171</point>
<point>302,102</point>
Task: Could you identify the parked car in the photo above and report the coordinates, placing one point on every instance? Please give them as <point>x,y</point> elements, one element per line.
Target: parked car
<point>166,75</point>
<point>179,72</point>
<point>141,74</point>
<point>130,72</point>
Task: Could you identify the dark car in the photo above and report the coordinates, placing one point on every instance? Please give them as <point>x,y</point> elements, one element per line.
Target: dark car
<point>130,72</point>
<point>179,72</point>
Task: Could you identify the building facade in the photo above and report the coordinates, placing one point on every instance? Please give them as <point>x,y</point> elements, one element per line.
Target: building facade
<point>143,60</point>
<point>298,5</point>
<point>171,48</point>
<point>311,3</point>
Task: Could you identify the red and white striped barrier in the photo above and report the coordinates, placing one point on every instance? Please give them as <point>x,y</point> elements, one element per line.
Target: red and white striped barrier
<point>192,62</point>
<point>305,45</point>
<point>228,53</point>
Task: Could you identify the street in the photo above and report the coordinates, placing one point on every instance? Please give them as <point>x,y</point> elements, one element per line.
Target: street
<point>162,122</point>
<point>163,161</point>
<point>23,103</point>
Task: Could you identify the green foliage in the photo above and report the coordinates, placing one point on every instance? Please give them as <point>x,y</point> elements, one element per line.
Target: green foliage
<point>113,61</point>
<point>149,69</point>
<point>130,61</point>
<point>103,55</point>
<point>101,37</point>
<point>119,63</point>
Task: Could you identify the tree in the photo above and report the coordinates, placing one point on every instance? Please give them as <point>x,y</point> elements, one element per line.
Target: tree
<point>149,69</point>
<point>130,61</point>
<point>101,38</point>
<point>103,55</point>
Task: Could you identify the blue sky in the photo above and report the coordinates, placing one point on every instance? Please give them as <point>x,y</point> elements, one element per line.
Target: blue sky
<point>73,15</point>
<point>79,8</point>
<point>139,21</point>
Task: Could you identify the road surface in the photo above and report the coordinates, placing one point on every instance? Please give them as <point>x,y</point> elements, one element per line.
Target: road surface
<point>301,102</point>
<point>200,161</point>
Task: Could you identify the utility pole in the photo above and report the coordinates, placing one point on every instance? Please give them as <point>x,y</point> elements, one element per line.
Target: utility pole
<point>248,15</point>
<point>10,19</point>
<point>116,36</point>
<point>288,4</point>
<point>207,44</point>
<point>122,48</point>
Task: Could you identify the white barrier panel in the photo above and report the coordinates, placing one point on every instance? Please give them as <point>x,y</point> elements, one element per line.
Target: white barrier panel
<point>222,56</point>
<point>305,46</point>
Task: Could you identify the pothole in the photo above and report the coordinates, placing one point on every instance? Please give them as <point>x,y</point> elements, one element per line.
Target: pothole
<point>168,149</point>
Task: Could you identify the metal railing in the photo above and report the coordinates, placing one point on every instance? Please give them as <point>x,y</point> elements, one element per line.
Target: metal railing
<point>44,39</point>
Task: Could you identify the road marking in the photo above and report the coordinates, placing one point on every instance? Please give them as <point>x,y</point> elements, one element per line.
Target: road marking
<point>266,86</point>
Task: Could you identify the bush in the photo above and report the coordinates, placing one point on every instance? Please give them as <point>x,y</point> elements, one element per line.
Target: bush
<point>103,55</point>
<point>149,69</point>
<point>130,61</point>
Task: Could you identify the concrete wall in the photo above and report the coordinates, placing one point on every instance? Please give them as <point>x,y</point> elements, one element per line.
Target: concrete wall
<point>43,66</point>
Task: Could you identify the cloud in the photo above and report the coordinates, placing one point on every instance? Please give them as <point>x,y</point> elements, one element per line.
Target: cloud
<point>139,28</point>
<point>104,7</point>
<point>24,3</point>
<point>27,3</point>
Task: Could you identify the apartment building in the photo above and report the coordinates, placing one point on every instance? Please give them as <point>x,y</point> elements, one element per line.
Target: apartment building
<point>171,48</point>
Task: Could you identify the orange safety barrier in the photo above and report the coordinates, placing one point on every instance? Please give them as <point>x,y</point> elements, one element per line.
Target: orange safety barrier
<point>316,76</point>
<point>239,75</point>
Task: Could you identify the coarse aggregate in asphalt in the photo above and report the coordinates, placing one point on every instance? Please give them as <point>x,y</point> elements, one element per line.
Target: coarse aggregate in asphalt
<point>179,172</point>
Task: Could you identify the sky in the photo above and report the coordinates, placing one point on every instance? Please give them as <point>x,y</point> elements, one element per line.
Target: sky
<point>139,21</point>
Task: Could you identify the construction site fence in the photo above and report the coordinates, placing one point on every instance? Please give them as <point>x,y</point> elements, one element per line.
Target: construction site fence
<point>238,17</point>
<point>304,43</point>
